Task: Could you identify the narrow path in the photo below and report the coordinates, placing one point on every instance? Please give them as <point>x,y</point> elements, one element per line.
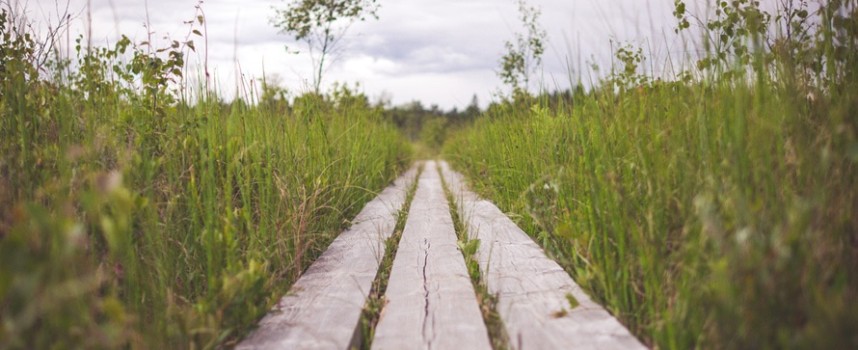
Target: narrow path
<point>430,299</point>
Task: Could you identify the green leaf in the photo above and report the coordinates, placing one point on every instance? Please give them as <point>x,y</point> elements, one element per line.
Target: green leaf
<point>573,303</point>
<point>469,247</point>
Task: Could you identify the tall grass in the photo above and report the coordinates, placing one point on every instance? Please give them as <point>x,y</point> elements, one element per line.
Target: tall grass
<point>717,212</point>
<point>132,216</point>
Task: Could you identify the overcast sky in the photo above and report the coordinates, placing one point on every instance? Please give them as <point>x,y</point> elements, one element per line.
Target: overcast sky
<point>436,51</point>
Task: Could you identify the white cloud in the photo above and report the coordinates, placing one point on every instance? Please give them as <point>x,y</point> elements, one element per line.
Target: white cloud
<point>437,51</point>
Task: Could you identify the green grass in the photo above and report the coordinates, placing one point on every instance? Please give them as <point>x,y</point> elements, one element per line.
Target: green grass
<point>136,216</point>
<point>376,300</point>
<point>714,212</point>
<point>469,246</point>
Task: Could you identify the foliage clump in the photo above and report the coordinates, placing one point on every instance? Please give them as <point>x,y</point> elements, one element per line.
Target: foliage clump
<point>713,210</point>
<point>135,216</point>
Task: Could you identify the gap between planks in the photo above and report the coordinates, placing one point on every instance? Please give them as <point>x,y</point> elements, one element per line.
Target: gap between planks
<point>431,301</point>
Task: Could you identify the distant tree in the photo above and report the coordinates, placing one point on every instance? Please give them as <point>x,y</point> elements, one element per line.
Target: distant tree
<point>321,24</point>
<point>434,131</point>
<point>435,109</point>
<point>523,55</point>
<point>474,108</point>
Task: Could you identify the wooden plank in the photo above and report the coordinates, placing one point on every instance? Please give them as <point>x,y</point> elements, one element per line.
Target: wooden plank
<point>531,288</point>
<point>323,308</point>
<point>431,302</point>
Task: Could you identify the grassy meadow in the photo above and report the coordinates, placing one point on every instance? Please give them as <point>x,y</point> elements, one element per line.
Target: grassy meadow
<point>140,210</point>
<point>713,208</point>
<point>718,209</point>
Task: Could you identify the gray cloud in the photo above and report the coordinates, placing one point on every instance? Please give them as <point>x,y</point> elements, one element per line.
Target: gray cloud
<point>438,51</point>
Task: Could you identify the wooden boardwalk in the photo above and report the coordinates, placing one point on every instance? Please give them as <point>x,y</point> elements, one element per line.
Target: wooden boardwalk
<point>431,303</point>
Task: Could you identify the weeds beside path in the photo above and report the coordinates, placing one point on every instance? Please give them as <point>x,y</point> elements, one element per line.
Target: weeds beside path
<point>137,216</point>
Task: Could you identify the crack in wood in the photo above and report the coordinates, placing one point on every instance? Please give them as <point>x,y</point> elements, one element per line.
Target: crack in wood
<point>531,288</point>
<point>435,304</point>
<point>426,307</point>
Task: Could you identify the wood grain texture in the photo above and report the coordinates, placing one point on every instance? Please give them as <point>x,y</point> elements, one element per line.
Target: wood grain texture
<point>531,288</point>
<point>323,308</point>
<point>431,301</point>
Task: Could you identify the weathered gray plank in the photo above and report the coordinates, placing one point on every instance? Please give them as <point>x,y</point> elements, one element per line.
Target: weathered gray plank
<point>323,308</point>
<point>431,302</point>
<point>531,288</point>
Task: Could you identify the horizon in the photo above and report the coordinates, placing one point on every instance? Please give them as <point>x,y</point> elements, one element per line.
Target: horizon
<point>413,52</point>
